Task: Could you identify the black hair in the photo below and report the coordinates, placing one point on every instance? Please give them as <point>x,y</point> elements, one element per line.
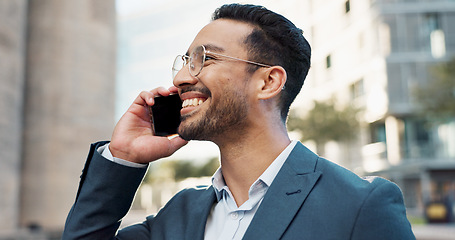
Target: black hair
<point>274,41</point>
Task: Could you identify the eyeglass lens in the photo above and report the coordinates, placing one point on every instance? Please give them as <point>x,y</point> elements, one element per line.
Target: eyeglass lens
<point>178,64</point>
<point>197,58</point>
<point>195,62</point>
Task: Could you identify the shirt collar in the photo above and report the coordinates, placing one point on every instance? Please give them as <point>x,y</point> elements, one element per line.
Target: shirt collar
<point>270,173</point>
<point>267,176</point>
<point>218,184</point>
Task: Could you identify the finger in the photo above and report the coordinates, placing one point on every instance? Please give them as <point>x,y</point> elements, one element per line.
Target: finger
<point>173,89</point>
<point>161,91</point>
<point>140,105</point>
<point>147,97</point>
<point>142,98</point>
<point>176,143</point>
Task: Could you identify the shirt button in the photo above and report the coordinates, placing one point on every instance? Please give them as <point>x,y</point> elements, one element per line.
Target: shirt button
<point>234,215</point>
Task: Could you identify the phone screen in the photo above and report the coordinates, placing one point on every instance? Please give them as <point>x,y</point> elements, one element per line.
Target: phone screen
<point>165,115</point>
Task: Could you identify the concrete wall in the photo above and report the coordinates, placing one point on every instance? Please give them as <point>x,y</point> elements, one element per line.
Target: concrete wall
<point>57,90</point>
<point>12,58</point>
<point>69,101</point>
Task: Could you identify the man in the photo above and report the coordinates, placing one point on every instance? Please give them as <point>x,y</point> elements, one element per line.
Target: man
<point>237,81</point>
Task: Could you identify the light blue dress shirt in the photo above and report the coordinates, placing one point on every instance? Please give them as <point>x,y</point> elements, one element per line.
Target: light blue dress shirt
<point>227,220</point>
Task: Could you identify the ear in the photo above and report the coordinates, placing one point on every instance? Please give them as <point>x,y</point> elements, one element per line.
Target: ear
<point>273,80</point>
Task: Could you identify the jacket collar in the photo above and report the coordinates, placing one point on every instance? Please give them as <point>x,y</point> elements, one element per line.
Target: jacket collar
<point>286,195</point>
<point>196,227</point>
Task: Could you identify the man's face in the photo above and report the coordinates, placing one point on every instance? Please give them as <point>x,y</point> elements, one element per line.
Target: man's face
<point>216,102</point>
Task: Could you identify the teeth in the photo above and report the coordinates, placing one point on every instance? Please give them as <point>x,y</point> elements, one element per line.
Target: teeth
<point>194,102</point>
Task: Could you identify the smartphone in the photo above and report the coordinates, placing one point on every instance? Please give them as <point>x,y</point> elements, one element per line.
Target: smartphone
<point>165,115</point>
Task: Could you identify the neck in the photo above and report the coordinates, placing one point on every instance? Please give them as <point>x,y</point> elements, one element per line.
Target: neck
<point>245,159</point>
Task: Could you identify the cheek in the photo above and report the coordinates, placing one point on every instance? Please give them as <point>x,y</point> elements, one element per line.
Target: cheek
<point>220,78</point>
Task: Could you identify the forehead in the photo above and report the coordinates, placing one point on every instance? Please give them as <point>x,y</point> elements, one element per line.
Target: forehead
<point>225,34</point>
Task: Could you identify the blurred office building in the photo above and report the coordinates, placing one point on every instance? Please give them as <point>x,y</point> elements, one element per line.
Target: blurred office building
<point>57,75</point>
<point>373,54</point>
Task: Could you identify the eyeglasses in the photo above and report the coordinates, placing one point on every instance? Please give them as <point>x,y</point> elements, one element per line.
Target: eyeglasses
<point>197,59</point>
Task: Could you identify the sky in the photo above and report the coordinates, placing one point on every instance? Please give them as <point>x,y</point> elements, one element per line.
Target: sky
<point>125,7</point>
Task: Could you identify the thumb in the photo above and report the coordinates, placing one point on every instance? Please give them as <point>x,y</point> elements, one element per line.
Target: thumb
<point>175,143</point>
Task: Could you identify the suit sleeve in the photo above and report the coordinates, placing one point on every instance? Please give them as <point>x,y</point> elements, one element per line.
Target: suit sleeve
<point>105,194</point>
<point>383,214</point>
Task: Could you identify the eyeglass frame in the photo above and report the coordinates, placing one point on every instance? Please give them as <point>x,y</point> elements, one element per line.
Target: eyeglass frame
<point>187,59</point>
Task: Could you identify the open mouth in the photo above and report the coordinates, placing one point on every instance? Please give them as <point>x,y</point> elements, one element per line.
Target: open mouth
<point>193,102</point>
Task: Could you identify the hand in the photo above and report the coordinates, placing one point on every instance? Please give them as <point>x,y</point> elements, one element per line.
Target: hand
<point>133,138</point>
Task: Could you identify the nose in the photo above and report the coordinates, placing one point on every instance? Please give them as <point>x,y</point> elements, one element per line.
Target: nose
<point>184,77</point>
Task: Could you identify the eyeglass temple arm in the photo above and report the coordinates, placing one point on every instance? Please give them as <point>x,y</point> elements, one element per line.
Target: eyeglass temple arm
<point>238,59</point>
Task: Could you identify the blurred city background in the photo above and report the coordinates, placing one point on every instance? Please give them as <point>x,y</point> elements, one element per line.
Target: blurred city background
<point>379,98</point>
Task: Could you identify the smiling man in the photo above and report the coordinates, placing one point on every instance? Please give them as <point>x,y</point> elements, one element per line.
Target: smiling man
<point>237,81</point>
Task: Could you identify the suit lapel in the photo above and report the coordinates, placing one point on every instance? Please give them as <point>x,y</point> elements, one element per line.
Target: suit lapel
<point>285,196</point>
<point>200,212</point>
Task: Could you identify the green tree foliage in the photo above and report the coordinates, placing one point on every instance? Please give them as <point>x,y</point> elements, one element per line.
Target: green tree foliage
<point>186,169</point>
<point>325,123</point>
<point>179,170</point>
<point>436,99</point>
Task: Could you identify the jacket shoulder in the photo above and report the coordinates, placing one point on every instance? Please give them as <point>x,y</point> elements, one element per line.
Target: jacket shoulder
<point>374,205</point>
<point>347,179</point>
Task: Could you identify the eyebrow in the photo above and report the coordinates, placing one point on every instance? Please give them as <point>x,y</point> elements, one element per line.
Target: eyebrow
<point>210,47</point>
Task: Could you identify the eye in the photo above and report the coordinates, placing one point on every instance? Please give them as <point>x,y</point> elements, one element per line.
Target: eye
<point>208,57</point>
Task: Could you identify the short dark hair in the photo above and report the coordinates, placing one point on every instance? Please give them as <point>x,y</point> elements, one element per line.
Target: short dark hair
<point>274,41</point>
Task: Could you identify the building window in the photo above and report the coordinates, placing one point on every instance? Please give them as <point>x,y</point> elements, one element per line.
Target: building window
<point>432,28</point>
<point>378,133</point>
<point>432,21</point>
<point>417,139</point>
<point>328,61</point>
<point>347,6</point>
<point>357,89</point>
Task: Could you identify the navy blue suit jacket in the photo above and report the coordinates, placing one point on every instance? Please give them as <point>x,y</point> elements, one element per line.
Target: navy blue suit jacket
<point>310,198</point>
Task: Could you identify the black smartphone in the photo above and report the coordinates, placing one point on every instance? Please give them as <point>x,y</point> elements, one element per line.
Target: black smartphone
<point>165,115</point>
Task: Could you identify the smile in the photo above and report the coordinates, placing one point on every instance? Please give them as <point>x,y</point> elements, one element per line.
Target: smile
<point>192,102</point>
